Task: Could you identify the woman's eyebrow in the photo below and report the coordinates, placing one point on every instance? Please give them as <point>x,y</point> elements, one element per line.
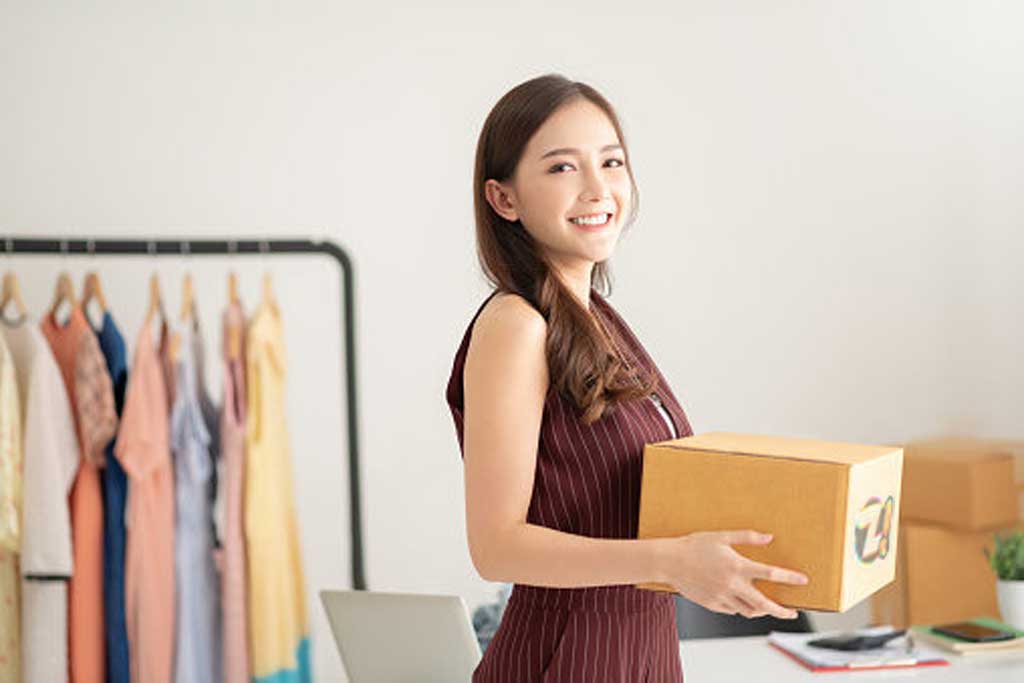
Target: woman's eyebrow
<point>573,150</point>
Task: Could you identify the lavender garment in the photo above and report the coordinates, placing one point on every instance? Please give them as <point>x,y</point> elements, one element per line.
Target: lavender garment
<point>197,656</point>
<point>587,482</point>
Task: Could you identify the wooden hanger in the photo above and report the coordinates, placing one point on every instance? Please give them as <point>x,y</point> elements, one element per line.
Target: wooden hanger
<point>269,300</point>
<point>11,293</point>
<point>93,290</point>
<point>234,331</point>
<point>175,347</point>
<point>65,291</point>
<point>188,303</point>
<point>156,301</point>
<point>186,315</point>
<point>233,288</point>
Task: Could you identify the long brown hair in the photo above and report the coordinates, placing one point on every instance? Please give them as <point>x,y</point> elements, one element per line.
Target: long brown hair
<point>582,362</point>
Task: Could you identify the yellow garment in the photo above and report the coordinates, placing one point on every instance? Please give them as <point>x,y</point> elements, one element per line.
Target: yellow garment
<point>278,620</point>
<point>10,520</point>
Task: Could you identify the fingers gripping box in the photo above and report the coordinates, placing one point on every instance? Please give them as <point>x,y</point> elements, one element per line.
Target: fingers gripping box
<point>833,508</point>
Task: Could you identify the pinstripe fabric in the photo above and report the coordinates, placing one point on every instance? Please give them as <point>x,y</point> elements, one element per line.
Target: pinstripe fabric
<point>587,482</point>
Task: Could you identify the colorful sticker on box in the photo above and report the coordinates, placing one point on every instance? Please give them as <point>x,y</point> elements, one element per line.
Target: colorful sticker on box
<point>872,527</point>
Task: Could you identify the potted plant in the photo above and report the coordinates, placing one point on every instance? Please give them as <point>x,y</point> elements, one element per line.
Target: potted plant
<point>1007,560</point>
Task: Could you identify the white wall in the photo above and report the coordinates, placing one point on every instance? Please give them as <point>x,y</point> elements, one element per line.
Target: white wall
<point>829,242</point>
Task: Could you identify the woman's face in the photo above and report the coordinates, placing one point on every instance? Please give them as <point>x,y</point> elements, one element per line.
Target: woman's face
<point>572,168</point>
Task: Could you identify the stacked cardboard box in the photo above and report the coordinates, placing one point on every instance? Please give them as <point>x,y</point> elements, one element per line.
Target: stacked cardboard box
<point>1016,448</point>
<point>957,493</point>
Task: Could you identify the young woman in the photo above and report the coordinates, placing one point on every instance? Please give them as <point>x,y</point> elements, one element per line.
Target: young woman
<point>553,399</point>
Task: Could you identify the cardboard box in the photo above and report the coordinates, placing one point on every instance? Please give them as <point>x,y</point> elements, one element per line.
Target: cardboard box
<point>833,508</point>
<point>962,483</point>
<point>1016,448</point>
<point>942,575</point>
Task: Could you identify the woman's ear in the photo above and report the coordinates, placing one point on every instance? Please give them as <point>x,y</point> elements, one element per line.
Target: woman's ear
<point>500,199</point>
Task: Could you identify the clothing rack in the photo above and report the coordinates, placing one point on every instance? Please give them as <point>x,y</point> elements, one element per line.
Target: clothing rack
<point>242,247</point>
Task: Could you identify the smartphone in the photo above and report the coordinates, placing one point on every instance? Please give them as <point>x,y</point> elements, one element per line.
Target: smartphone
<point>856,641</point>
<point>975,633</point>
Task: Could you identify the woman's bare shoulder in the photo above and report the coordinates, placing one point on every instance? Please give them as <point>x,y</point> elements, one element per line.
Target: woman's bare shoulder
<point>508,324</point>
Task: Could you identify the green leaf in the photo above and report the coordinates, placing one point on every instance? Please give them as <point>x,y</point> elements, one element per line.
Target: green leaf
<point>1007,557</point>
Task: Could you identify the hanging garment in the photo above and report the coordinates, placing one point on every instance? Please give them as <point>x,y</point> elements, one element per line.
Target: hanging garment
<point>278,621</point>
<point>92,399</point>
<point>10,519</point>
<point>50,463</point>
<point>143,450</point>
<point>115,491</point>
<point>487,618</point>
<point>197,653</point>
<point>229,498</point>
<point>587,482</point>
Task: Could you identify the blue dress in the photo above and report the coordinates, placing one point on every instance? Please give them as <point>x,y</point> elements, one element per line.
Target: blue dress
<point>115,492</point>
<point>197,656</point>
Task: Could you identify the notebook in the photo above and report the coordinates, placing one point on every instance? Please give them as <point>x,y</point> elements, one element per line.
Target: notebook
<point>963,647</point>
<point>896,654</point>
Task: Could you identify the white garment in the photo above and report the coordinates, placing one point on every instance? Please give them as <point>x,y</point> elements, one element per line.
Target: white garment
<point>656,400</point>
<point>50,458</point>
<point>44,630</point>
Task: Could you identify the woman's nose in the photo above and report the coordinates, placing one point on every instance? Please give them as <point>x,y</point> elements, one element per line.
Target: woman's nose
<point>594,184</point>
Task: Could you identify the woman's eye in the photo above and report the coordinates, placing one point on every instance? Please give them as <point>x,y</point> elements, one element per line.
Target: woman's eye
<point>615,163</point>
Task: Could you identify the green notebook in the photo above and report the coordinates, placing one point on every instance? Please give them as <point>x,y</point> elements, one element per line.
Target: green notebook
<point>926,634</point>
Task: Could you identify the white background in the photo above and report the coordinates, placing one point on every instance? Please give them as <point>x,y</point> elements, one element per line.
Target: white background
<point>829,242</point>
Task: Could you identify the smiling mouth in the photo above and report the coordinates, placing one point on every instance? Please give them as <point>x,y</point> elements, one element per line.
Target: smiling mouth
<point>594,220</point>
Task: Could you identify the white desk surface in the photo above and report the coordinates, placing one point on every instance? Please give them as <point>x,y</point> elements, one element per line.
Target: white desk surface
<point>749,659</point>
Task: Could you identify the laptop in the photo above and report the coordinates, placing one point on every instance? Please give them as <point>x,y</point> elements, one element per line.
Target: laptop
<point>400,637</point>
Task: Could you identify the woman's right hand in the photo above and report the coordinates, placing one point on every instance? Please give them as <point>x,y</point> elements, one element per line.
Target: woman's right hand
<point>704,568</point>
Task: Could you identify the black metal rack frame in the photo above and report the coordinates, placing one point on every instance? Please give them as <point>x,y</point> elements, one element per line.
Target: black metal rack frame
<point>265,247</point>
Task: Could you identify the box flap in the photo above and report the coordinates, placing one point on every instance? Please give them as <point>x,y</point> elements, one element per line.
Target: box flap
<point>781,447</point>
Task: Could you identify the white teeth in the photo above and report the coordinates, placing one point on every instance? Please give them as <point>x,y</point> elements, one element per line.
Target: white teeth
<point>599,219</point>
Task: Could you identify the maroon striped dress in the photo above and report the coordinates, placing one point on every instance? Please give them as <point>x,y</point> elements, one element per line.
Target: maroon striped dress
<point>587,483</point>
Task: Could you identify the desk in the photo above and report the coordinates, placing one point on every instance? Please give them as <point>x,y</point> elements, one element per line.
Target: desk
<point>752,660</point>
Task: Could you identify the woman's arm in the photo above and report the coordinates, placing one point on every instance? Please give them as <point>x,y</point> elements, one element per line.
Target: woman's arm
<point>506,382</point>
